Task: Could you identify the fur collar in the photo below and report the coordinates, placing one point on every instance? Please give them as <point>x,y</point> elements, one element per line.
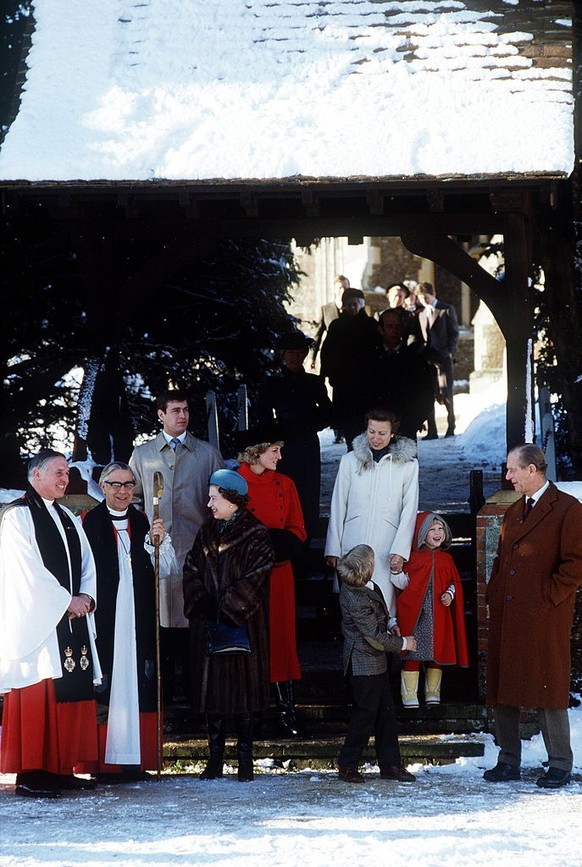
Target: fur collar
<point>402,450</point>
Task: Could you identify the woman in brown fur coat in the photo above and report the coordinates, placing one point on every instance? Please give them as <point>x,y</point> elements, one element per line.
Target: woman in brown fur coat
<point>226,578</point>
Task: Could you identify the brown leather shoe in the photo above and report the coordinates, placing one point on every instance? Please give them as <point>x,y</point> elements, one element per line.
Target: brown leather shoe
<point>397,772</point>
<point>350,775</point>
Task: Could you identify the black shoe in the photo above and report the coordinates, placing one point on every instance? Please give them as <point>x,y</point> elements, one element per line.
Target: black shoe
<point>286,714</point>
<point>450,432</point>
<point>431,436</point>
<point>71,783</point>
<point>287,725</point>
<point>111,779</point>
<point>350,775</point>
<point>128,775</point>
<point>554,778</point>
<point>36,784</point>
<point>134,775</point>
<point>245,772</point>
<point>213,770</point>
<point>27,791</point>
<point>397,772</point>
<point>502,773</point>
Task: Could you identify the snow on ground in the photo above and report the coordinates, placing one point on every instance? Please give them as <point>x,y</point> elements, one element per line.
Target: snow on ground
<point>450,816</point>
<point>480,444</point>
<point>118,89</point>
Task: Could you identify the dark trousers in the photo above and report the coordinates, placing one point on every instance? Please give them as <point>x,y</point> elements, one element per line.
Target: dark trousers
<point>175,659</point>
<point>555,727</point>
<point>373,713</point>
<point>444,394</point>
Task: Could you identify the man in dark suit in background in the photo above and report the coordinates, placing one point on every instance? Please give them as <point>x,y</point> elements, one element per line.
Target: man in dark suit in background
<point>402,379</point>
<point>345,360</point>
<point>439,330</point>
<point>329,312</point>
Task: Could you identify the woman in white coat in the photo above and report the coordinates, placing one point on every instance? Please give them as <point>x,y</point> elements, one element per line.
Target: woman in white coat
<point>375,502</point>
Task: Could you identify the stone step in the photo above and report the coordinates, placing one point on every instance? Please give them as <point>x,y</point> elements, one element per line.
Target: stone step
<point>330,720</point>
<point>322,752</point>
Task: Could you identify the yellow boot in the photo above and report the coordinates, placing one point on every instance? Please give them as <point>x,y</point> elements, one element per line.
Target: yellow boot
<point>432,687</point>
<point>409,688</point>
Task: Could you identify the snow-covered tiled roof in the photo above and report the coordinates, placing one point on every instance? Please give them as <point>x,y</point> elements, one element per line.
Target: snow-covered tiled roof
<point>262,89</point>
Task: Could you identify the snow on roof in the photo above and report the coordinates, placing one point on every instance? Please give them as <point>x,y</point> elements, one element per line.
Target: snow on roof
<point>261,89</point>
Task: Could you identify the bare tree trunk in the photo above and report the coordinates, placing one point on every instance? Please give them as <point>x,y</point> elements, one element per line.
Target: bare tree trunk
<point>93,365</point>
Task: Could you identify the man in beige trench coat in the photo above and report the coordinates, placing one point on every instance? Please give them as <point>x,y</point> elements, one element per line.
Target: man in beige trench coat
<point>186,464</point>
<point>531,596</point>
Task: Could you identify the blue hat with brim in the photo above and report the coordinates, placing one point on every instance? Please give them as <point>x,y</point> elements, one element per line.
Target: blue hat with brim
<point>229,480</point>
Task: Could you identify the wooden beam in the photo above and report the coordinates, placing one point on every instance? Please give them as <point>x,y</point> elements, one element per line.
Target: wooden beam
<point>517,326</point>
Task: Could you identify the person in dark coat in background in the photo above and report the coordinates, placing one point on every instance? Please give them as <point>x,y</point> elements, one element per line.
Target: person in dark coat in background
<point>298,403</point>
<point>329,312</point>
<point>438,327</point>
<point>531,595</point>
<point>368,636</point>
<point>346,361</point>
<point>119,535</point>
<point>401,377</point>
<point>226,577</point>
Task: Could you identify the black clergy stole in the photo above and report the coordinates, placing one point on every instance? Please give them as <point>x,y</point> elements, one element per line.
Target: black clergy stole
<point>76,684</point>
<point>102,537</point>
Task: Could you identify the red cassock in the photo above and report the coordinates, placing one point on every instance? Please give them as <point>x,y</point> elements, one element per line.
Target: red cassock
<point>40,733</point>
<point>275,502</point>
<point>450,639</point>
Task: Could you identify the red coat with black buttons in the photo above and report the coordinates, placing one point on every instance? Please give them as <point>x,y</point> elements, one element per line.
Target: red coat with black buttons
<point>531,595</point>
<point>275,502</point>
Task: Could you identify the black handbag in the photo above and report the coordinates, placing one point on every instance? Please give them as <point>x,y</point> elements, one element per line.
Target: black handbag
<point>222,639</point>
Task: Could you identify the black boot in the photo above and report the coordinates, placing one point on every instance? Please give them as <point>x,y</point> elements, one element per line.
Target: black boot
<point>286,707</point>
<point>215,726</point>
<point>244,746</point>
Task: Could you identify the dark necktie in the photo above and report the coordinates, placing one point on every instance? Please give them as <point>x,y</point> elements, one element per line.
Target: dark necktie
<point>529,504</point>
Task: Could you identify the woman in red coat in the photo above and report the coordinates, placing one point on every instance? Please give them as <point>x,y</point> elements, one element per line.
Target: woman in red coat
<point>275,502</point>
<point>431,607</point>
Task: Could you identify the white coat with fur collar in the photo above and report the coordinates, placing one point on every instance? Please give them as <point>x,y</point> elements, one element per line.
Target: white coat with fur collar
<point>376,504</point>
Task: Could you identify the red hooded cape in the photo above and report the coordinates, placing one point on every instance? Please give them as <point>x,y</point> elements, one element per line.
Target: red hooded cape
<point>450,639</point>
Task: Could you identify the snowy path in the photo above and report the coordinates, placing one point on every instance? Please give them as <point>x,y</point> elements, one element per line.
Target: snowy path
<point>446,818</point>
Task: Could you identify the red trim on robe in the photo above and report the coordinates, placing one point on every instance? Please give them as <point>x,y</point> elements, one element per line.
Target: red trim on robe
<point>148,733</point>
<point>39,733</point>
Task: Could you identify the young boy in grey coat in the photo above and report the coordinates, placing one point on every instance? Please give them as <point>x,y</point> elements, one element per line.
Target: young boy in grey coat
<point>368,637</point>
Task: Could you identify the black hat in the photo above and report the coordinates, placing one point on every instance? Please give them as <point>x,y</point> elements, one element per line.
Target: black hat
<point>293,340</point>
<point>263,433</point>
<point>349,294</point>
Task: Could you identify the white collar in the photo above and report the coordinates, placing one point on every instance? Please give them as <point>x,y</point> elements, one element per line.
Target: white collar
<point>535,497</point>
<point>169,439</point>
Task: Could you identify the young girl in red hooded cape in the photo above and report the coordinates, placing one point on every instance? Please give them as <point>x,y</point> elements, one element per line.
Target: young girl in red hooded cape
<point>431,608</point>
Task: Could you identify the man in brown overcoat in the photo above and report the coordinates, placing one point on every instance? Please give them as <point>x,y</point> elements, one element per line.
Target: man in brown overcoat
<point>531,596</point>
